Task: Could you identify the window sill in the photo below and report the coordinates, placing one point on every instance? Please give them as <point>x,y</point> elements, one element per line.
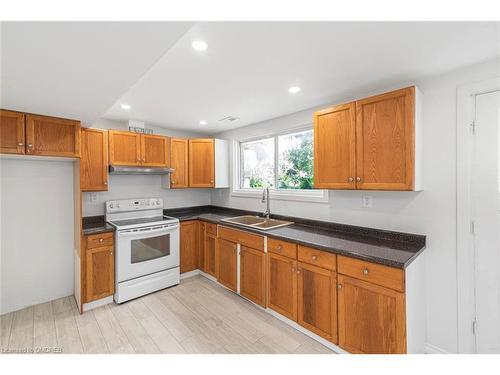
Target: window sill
<point>318,196</point>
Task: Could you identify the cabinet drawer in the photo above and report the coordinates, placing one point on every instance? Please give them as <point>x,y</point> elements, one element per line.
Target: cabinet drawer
<point>243,238</point>
<point>284,248</point>
<point>211,228</point>
<point>317,257</point>
<point>100,240</point>
<point>375,273</point>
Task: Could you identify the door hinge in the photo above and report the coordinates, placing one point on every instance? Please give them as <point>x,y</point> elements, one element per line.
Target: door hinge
<point>473,227</point>
<point>473,126</point>
<point>474,327</point>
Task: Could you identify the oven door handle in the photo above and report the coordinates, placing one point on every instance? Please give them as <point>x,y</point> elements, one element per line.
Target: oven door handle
<point>148,230</point>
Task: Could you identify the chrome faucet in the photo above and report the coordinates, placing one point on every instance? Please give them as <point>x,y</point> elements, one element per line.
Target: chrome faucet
<point>265,198</point>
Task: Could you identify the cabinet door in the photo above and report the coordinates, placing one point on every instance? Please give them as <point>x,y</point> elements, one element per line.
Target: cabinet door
<point>201,163</point>
<point>335,147</point>
<point>100,272</point>
<point>253,275</point>
<point>49,136</point>
<point>124,148</point>
<point>179,162</point>
<point>385,141</point>
<point>210,254</point>
<point>94,160</point>
<point>282,285</point>
<point>11,132</point>
<point>155,152</point>
<point>371,318</point>
<point>189,246</point>
<point>317,300</point>
<point>201,246</point>
<point>225,261</point>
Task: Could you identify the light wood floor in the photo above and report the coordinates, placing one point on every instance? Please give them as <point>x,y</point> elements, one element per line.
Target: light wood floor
<point>197,316</point>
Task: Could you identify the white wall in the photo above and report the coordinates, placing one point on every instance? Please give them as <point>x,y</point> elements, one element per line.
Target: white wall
<point>431,212</point>
<point>37,234</point>
<point>143,186</point>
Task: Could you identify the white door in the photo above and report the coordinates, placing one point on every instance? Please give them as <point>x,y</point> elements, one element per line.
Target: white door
<point>485,211</point>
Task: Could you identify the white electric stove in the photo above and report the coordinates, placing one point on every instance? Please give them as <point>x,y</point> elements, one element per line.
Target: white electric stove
<point>147,247</point>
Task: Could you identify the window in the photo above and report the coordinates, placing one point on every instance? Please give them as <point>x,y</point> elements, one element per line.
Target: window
<point>283,162</point>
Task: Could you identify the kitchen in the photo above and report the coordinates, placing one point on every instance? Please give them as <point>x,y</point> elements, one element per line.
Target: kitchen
<point>186,220</point>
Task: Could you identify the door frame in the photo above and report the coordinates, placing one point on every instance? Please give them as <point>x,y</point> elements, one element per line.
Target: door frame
<point>466,105</point>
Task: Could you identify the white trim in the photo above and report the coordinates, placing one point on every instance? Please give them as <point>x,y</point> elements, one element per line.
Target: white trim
<point>465,257</point>
<point>187,275</point>
<point>431,349</point>
<point>95,304</point>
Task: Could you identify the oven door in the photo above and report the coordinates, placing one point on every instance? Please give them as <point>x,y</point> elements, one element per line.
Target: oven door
<point>143,251</point>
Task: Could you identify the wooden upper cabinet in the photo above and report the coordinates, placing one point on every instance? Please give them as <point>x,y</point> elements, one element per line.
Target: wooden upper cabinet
<point>335,147</point>
<point>124,148</point>
<point>189,246</point>
<point>179,162</point>
<point>49,136</point>
<point>226,263</point>
<point>155,150</point>
<point>11,132</point>
<point>317,300</point>
<point>201,163</point>
<point>282,285</point>
<point>371,318</point>
<point>253,275</point>
<point>385,137</point>
<point>94,160</point>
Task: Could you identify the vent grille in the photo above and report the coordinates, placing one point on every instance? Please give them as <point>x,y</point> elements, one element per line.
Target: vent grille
<point>229,118</point>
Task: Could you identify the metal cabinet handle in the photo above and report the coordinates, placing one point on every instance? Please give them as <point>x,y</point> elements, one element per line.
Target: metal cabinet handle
<point>279,247</point>
<point>339,286</point>
<point>20,144</point>
<point>358,179</point>
<point>293,269</point>
<point>110,253</point>
<point>101,240</point>
<point>314,257</point>
<point>350,179</point>
<point>365,271</point>
<point>105,183</point>
<point>298,272</point>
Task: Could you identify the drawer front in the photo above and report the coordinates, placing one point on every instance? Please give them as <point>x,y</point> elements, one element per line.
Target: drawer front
<point>317,257</point>
<point>251,240</point>
<point>375,273</point>
<point>211,228</point>
<point>287,249</point>
<point>100,240</point>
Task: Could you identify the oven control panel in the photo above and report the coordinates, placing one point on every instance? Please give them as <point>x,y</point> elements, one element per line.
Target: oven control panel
<point>134,204</point>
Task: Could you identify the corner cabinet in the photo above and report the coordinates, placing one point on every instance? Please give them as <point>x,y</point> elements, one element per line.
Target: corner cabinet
<point>370,144</point>
<point>208,163</point>
<point>94,160</point>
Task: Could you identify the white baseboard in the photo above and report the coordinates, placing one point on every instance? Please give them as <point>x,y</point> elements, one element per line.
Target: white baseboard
<point>95,304</point>
<point>431,349</point>
<point>189,274</point>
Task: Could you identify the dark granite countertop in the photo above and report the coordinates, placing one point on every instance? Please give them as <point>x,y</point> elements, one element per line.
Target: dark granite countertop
<point>95,225</point>
<point>390,248</point>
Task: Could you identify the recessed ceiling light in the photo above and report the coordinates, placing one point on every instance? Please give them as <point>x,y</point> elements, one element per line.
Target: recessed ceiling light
<point>294,89</point>
<point>126,107</point>
<point>199,45</point>
<point>202,122</point>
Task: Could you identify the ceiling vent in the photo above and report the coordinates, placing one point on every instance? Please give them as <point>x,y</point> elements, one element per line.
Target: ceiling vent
<point>229,118</point>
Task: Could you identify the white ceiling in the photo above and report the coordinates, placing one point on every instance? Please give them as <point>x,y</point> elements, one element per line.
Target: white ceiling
<point>78,69</point>
<point>87,70</point>
<point>248,67</point>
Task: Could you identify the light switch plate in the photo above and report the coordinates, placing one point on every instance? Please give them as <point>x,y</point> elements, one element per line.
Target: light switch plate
<point>94,197</point>
<point>367,201</point>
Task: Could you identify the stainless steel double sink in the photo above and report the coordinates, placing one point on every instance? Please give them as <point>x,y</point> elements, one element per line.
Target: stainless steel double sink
<point>257,222</point>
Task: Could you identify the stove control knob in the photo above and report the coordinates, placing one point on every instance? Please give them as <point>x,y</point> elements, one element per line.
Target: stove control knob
<point>111,205</point>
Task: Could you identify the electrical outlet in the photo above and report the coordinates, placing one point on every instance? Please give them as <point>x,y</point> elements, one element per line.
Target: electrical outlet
<point>367,201</point>
<point>94,197</point>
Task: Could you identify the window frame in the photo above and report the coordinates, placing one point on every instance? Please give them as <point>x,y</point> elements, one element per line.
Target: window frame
<point>306,195</point>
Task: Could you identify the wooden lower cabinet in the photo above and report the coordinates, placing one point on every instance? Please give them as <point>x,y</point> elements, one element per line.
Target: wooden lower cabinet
<point>317,300</point>
<point>253,275</point>
<point>371,318</point>
<point>189,245</point>
<point>201,245</point>
<point>99,273</point>
<point>226,263</point>
<point>282,285</point>
<point>210,254</point>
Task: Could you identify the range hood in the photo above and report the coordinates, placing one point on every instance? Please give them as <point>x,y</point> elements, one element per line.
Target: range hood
<point>116,169</point>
